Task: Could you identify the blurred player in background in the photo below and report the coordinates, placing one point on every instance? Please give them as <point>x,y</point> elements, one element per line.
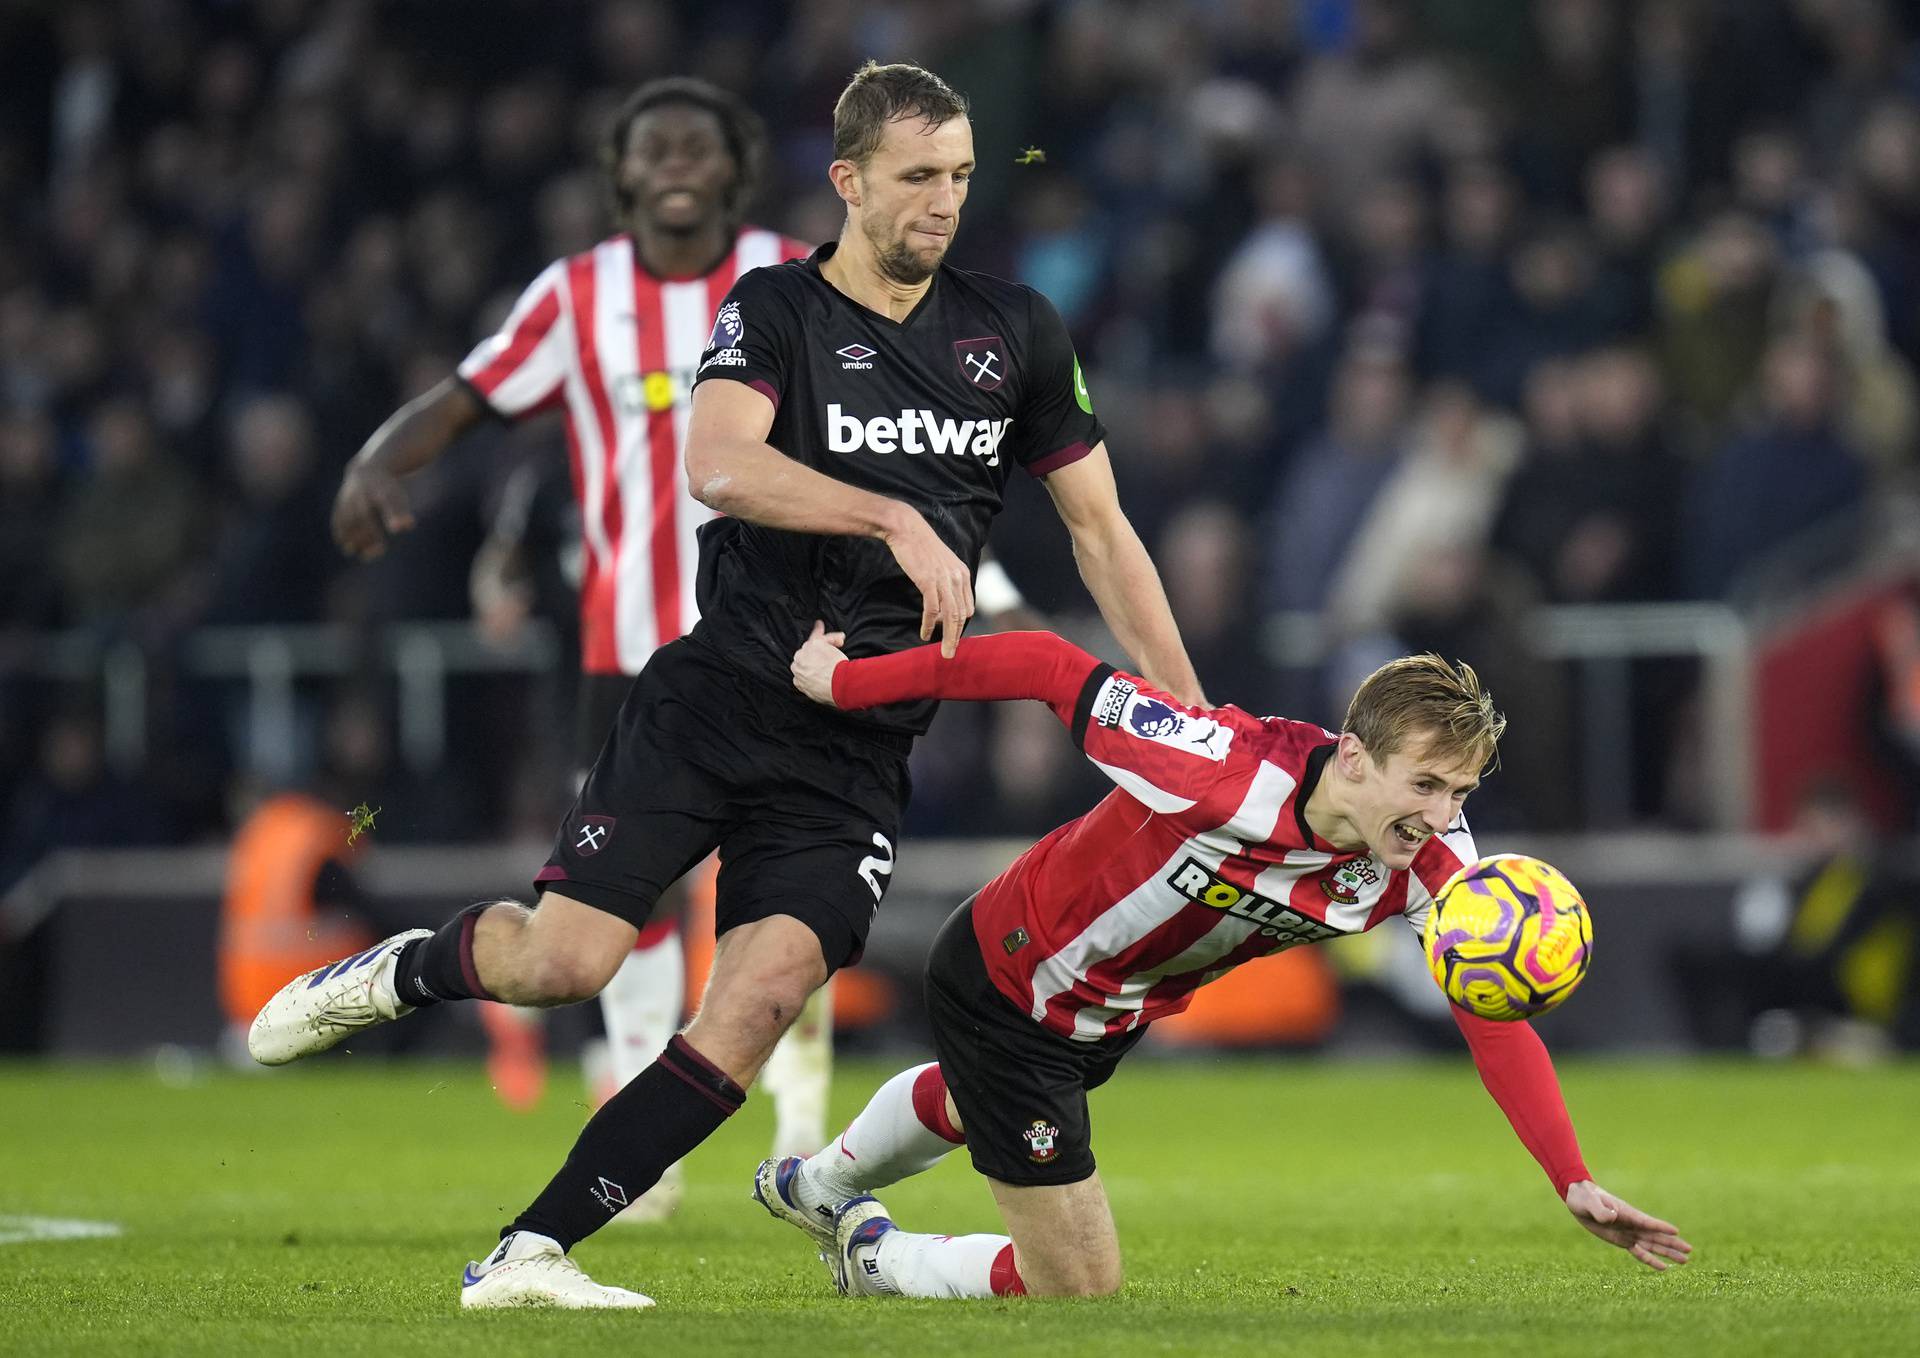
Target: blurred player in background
<point>611,338</point>
<point>1229,837</point>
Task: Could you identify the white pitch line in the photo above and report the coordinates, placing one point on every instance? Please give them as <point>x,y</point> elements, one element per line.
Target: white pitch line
<point>21,1230</point>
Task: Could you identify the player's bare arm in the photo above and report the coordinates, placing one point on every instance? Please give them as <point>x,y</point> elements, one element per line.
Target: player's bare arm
<point>372,503</point>
<point>1121,576</point>
<point>1518,1072</point>
<point>732,468</point>
<point>1653,1242</point>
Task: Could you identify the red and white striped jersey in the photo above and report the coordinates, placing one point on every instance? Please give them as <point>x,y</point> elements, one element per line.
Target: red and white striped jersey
<point>1199,860</point>
<point>615,349</point>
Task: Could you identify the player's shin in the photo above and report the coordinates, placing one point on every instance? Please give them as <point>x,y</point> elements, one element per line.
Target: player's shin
<point>799,1074</point>
<point>903,1130</point>
<point>663,1113</point>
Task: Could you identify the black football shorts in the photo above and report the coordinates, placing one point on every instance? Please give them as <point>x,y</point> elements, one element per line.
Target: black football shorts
<point>803,804</point>
<point>1020,1090</point>
<point>600,698</point>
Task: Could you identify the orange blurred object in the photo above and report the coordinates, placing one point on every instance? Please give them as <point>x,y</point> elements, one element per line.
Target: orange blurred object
<point>1288,999</point>
<point>272,926</point>
<point>516,1055</point>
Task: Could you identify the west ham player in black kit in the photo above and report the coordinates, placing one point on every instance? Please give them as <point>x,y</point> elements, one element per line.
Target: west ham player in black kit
<point>856,419</point>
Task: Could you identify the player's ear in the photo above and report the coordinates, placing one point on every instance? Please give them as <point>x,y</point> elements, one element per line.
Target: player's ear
<point>1351,756</point>
<point>846,181</point>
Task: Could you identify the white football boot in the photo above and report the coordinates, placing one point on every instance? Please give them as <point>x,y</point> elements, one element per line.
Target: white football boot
<point>532,1270</point>
<point>854,1260</point>
<point>773,1189</point>
<point>314,1011</point>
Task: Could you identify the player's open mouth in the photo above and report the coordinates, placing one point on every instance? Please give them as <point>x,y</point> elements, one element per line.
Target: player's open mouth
<point>1408,835</point>
<point>678,198</point>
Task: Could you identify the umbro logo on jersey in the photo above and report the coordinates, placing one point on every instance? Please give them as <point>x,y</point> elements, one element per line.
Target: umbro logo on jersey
<point>904,434</point>
<point>983,361</point>
<point>855,356</point>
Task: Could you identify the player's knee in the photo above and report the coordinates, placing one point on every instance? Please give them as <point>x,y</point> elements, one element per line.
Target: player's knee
<point>1098,1281</point>
<point>777,1002</point>
<point>749,1015</point>
<point>565,978</point>
<point>1106,1281</point>
<point>1100,1278</point>
<point>771,992</point>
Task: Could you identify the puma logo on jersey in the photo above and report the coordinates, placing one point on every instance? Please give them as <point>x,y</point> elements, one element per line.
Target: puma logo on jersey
<point>913,432</point>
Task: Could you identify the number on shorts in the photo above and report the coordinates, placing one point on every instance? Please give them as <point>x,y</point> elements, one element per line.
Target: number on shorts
<point>873,868</point>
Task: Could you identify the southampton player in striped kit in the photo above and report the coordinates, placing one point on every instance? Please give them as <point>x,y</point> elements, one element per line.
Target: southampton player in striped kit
<point>1229,837</point>
<point>610,338</point>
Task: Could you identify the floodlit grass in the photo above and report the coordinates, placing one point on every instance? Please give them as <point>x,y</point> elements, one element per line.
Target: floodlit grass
<point>1265,1207</point>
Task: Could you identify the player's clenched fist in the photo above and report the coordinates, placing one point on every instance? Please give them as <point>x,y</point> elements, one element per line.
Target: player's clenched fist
<point>815,661</point>
<point>371,504</point>
<point>944,582</point>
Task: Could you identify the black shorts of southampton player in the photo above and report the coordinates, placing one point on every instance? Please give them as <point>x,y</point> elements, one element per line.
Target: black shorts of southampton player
<point>855,419</point>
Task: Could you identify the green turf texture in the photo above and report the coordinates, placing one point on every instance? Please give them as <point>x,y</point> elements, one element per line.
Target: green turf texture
<point>1264,1207</point>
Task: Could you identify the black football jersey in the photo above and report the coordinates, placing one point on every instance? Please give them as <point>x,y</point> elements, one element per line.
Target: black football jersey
<point>936,410</point>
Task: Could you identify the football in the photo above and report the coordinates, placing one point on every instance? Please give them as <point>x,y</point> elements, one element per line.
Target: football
<point>1508,937</point>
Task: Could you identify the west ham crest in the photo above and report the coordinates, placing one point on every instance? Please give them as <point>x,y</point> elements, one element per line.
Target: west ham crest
<point>592,835</point>
<point>983,361</point>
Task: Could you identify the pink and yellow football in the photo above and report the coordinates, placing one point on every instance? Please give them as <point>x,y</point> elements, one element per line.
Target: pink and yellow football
<point>1508,937</point>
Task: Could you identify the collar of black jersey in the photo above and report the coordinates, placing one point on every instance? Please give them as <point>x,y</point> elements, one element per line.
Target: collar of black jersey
<point>825,252</point>
<point>1309,780</point>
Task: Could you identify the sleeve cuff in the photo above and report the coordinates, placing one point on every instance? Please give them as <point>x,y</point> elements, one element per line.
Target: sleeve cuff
<point>759,384</point>
<point>1060,457</point>
<point>1083,705</point>
<point>481,397</point>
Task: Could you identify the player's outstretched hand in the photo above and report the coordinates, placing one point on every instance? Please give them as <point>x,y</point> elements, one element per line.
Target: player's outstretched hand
<point>944,582</point>
<point>1653,1242</point>
<point>814,662</point>
<point>371,505</point>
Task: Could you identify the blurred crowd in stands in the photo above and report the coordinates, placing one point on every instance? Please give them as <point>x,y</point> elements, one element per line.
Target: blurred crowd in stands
<point>1408,314</point>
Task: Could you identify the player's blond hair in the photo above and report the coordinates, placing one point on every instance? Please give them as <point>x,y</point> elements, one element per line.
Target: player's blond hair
<point>878,95</point>
<point>1423,695</point>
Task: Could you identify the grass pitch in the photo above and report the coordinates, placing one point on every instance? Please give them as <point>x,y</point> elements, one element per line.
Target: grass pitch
<point>1265,1207</point>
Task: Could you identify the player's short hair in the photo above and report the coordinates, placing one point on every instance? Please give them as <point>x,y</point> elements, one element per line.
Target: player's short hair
<point>878,95</point>
<point>1423,695</point>
<point>745,134</point>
